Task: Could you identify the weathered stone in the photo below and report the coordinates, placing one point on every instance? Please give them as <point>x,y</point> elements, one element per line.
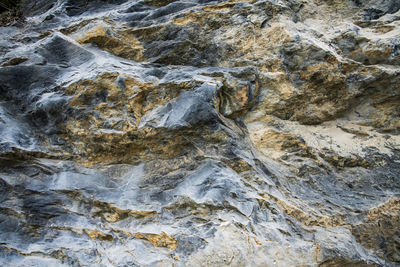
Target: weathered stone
<point>200,133</point>
<point>121,44</point>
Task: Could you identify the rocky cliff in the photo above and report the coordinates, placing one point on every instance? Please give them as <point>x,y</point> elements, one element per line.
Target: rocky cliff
<point>200,133</point>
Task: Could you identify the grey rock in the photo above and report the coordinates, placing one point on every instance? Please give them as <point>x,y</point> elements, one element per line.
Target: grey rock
<point>200,133</point>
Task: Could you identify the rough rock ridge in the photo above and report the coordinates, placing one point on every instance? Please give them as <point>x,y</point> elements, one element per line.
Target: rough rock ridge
<point>200,133</point>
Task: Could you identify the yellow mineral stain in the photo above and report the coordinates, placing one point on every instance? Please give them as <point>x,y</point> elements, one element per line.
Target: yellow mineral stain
<point>97,235</point>
<point>141,214</point>
<point>225,6</point>
<point>307,218</point>
<point>392,206</point>
<point>159,240</point>
<point>120,43</point>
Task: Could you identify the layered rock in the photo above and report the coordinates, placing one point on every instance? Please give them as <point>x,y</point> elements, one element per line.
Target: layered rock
<point>201,133</point>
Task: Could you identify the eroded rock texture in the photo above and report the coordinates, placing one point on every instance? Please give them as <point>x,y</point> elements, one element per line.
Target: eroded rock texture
<point>201,133</point>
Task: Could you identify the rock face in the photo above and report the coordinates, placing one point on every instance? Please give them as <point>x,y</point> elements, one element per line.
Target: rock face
<point>201,133</point>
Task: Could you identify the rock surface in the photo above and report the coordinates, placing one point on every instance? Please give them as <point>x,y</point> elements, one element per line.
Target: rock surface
<point>201,133</point>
